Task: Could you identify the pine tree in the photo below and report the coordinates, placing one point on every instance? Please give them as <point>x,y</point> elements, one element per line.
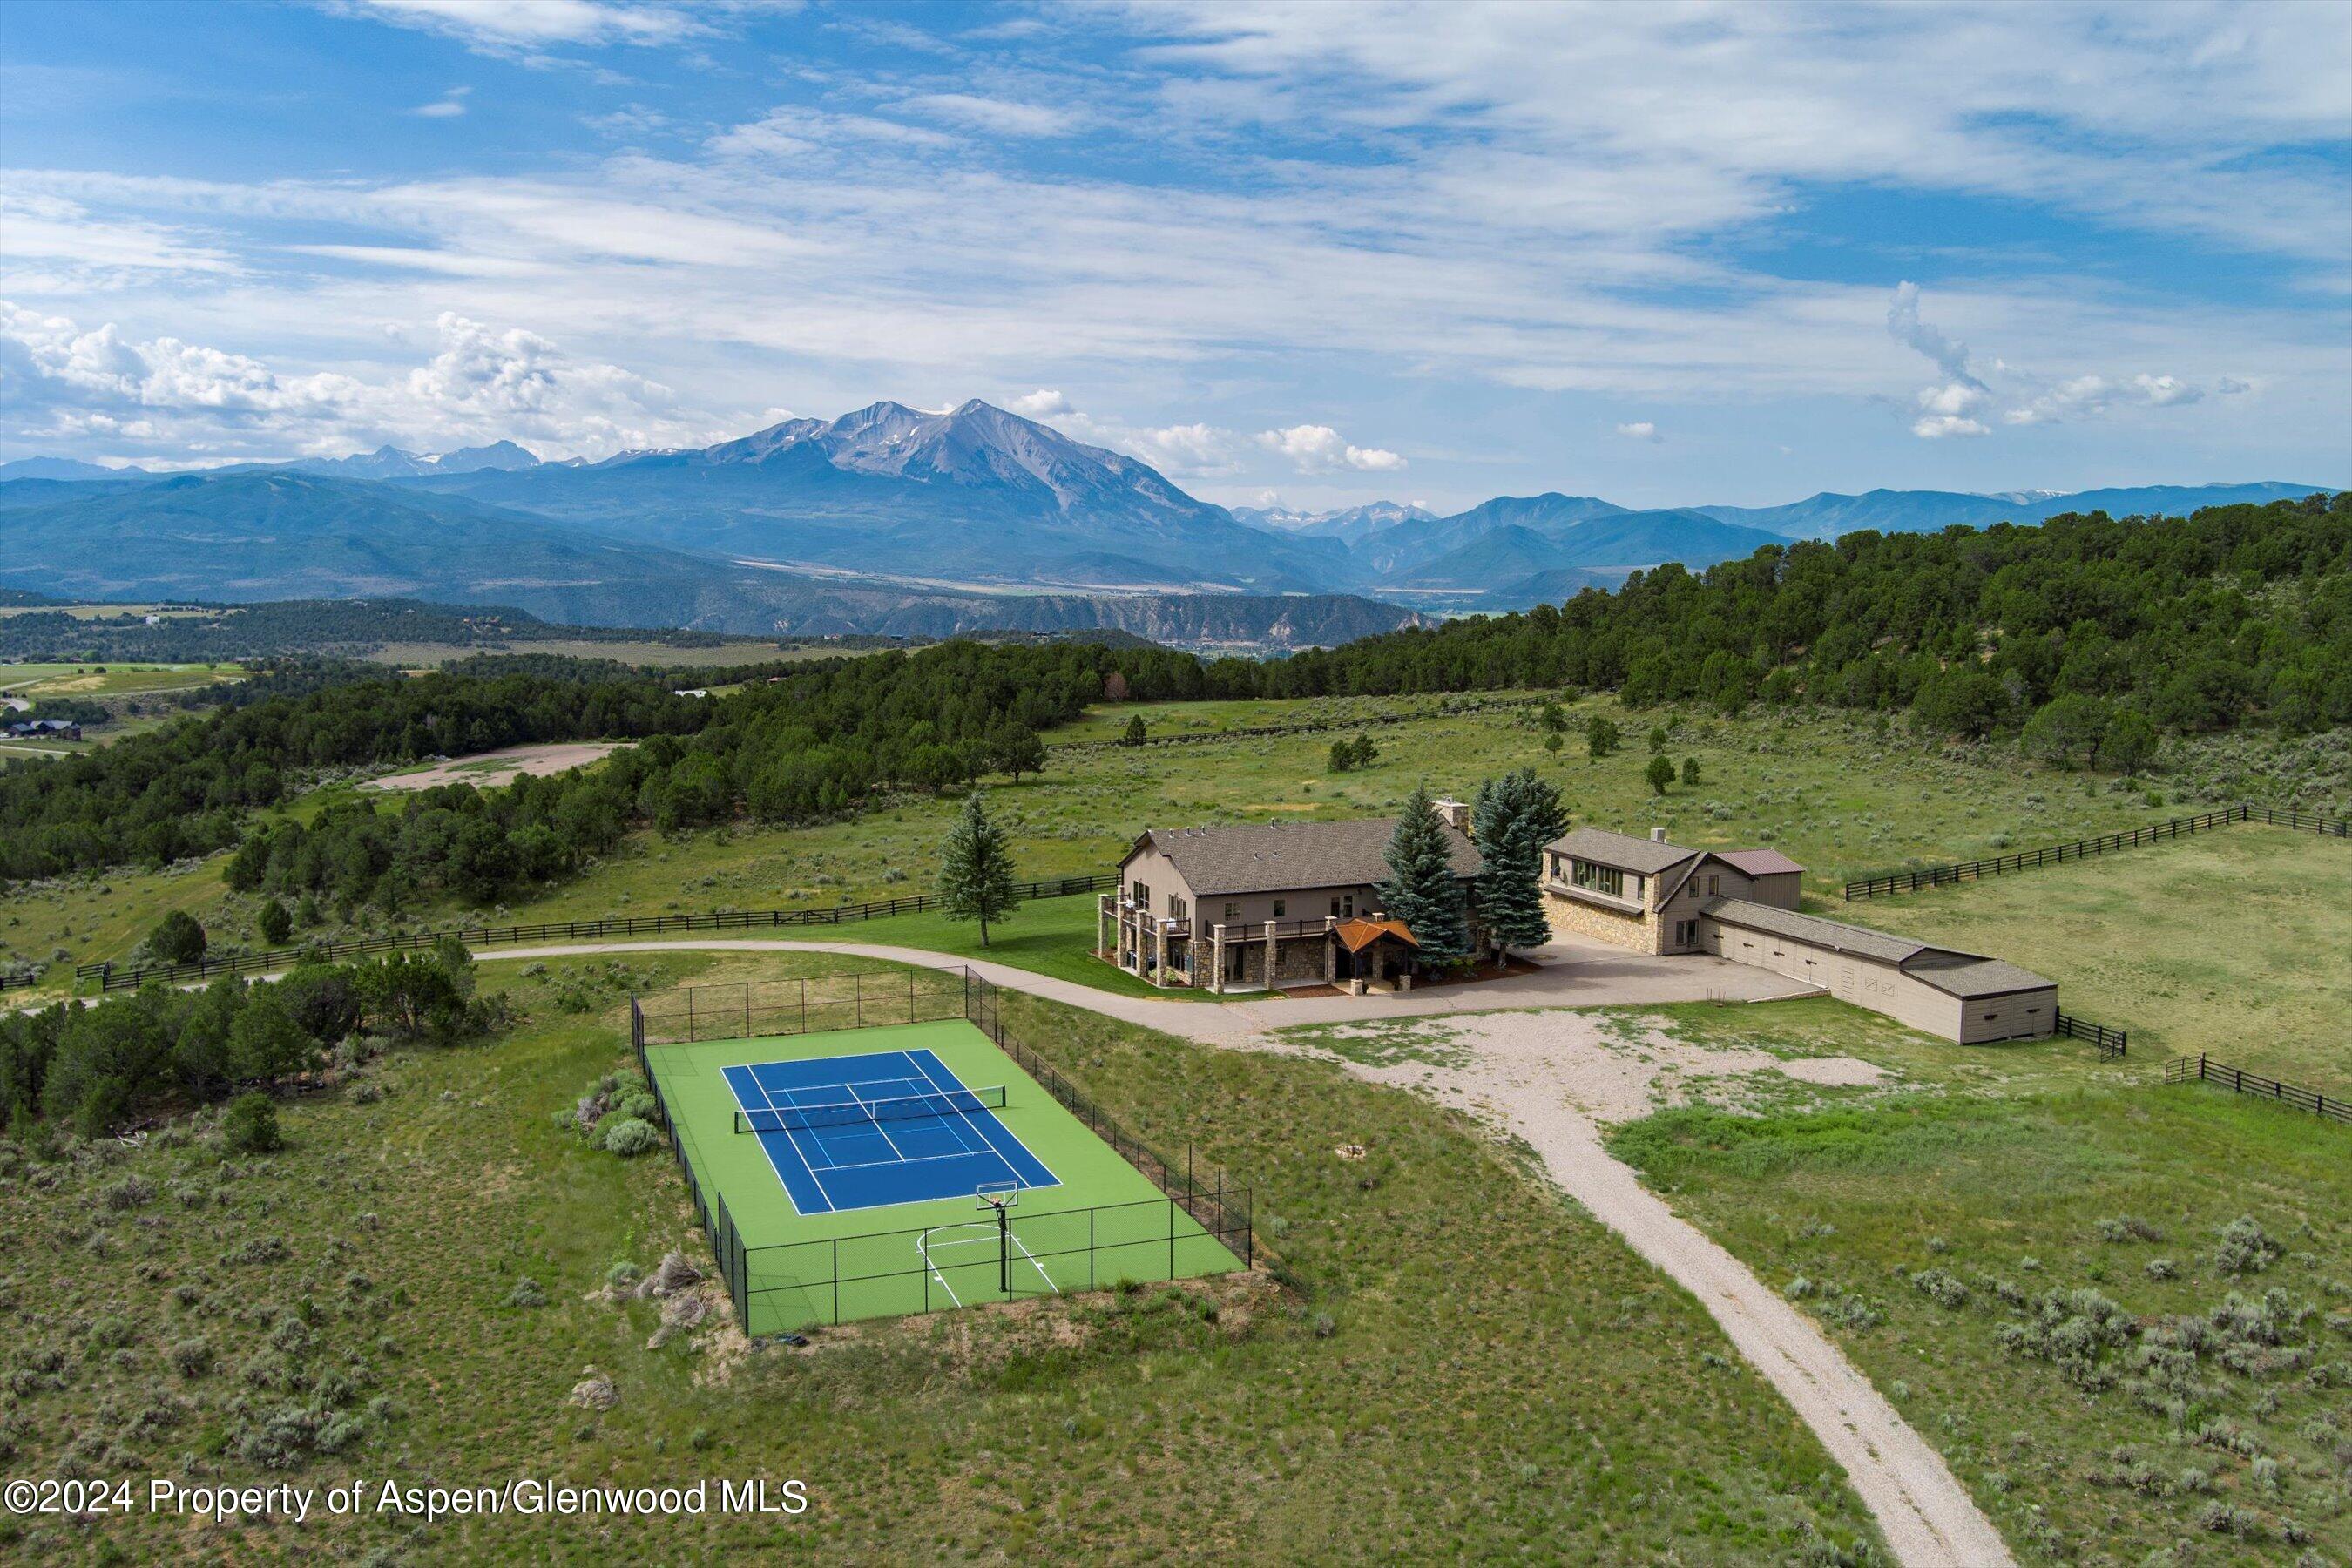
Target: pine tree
<point>1513,818</point>
<point>1421,889</point>
<point>976,870</point>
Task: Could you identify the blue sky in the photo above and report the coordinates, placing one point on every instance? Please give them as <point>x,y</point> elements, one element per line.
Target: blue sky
<point>1311,253</point>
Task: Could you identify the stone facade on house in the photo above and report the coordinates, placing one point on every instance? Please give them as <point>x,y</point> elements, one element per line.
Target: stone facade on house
<point>1246,909</point>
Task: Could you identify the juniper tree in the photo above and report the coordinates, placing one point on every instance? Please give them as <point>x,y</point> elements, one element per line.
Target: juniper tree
<point>1513,818</point>
<point>1419,889</point>
<point>976,870</point>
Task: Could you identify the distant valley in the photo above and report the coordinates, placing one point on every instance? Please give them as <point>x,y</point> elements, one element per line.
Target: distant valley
<point>894,520</point>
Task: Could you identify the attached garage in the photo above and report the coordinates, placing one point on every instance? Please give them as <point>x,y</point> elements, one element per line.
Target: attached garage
<point>1961,997</point>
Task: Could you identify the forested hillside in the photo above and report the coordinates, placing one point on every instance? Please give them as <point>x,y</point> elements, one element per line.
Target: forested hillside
<point>2239,614</point>
<point>2089,636</point>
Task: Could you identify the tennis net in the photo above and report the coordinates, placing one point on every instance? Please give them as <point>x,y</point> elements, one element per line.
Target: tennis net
<point>850,1112</point>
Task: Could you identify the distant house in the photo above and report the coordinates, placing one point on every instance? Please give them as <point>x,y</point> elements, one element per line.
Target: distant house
<point>1646,894</point>
<point>43,730</point>
<point>1742,905</point>
<point>691,691</point>
<point>1258,908</point>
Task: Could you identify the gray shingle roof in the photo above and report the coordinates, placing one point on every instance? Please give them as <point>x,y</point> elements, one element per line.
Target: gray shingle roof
<point>1965,976</point>
<point>1282,856</point>
<point>1758,862</point>
<point>1836,935</point>
<point>1644,857</point>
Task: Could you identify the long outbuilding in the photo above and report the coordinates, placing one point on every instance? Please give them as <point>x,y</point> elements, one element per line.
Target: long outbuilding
<point>1962,996</point>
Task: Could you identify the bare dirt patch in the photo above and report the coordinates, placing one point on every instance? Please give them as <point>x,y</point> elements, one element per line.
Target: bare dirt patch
<point>491,769</point>
<point>1608,1069</point>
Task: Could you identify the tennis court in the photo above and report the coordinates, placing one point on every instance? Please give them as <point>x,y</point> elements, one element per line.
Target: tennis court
<point>877,1129</point>
<point>842,1174</point>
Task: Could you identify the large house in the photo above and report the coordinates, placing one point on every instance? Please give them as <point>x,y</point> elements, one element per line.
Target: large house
<point>1741,904</point>
<point>1257,908</point>
<point>1647,894</point>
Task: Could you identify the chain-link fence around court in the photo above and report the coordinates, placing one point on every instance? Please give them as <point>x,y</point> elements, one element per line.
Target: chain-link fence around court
<point>1203,1225</point>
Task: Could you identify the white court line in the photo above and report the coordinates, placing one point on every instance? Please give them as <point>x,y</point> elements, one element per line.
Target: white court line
<point>870,1122</point>
<point>917,1160</point>
<point>1051,1180</point>
<point>798,1152</point>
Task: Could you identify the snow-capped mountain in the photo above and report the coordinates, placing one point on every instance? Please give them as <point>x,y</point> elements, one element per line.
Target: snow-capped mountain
<point>971,493</point>
<point>1347,524</point>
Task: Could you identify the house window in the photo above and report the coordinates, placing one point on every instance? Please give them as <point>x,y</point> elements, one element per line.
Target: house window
<point>1713,886</point>
<point>1142,895</point>
<point>1279,907</point>
<point>1347,903</point>
<point>1233,912</point>
<point>1686,933</point>
<point>1178,908</point>
<point>1600,878</point>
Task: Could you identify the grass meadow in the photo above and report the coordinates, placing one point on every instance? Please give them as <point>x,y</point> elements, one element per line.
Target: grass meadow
<point>1450,1364</point>
<point>2122,1311</point>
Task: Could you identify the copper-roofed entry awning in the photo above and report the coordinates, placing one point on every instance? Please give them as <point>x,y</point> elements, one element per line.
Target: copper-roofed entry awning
<point>1359,935</point>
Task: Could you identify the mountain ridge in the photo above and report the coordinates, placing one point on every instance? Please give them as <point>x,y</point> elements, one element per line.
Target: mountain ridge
<point>912,502</point>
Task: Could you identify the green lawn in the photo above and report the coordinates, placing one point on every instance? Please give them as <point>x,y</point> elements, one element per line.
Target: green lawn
<point>1098,1221</point>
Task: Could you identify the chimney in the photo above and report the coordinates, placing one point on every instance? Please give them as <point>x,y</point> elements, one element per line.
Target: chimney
<point>1454,813</point>
<point>1657,836</point>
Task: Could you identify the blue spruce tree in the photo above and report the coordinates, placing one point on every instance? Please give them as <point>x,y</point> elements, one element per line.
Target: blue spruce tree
<point>1421,889</point>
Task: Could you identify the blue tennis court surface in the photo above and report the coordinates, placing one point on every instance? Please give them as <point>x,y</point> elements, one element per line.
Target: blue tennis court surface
<point>935,1141</point>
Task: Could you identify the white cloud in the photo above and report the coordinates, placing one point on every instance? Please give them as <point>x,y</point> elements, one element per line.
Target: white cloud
<point>997,116</point>
<point>1936,427</point>
<point>181,399</point>
<point>2091,396</point>
<point>2163,391</point>
<point>1042,404</point>
<point>450,105</point>
<point>536,23</point>
<point>1185,449</point>
<point>1640,430</point>
<point>1319,448</point>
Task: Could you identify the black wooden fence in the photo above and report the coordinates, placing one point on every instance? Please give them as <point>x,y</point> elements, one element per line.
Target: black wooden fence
<point>113,978</point>
<point>2111,1042</point>
<point>2087,848</point>
<point>10,982</point>
<point>2205,1070</point>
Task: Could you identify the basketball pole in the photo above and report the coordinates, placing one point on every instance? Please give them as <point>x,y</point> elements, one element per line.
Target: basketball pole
<point>1005,1249</point>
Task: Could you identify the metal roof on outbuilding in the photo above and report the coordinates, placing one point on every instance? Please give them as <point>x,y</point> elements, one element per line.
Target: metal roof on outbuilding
<point>1947,969</point>
<point>1836,935</point>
